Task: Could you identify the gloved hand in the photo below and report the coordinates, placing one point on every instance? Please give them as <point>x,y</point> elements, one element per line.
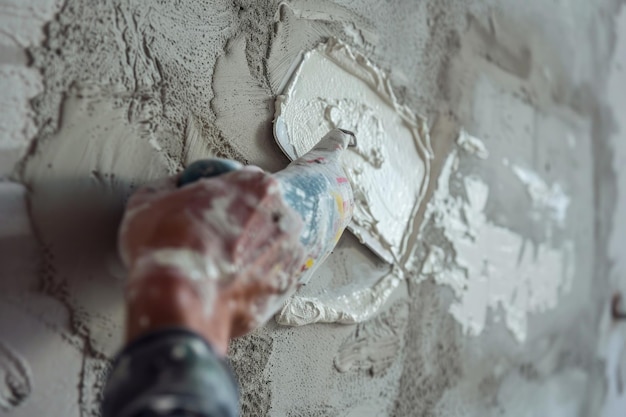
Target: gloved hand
<point>216,255</point>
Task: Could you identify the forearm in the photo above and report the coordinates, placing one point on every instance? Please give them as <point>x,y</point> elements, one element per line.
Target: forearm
<point>174,359</point>
<point>165,299</point>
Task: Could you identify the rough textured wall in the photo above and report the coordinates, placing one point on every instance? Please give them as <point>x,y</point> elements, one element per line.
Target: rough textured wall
<point>101,96</point>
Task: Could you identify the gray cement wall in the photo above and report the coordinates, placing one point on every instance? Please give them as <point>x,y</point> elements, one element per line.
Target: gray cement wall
<point>101,96</point>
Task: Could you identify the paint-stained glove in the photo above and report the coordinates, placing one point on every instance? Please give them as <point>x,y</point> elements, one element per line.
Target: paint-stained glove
<point>233,237</point>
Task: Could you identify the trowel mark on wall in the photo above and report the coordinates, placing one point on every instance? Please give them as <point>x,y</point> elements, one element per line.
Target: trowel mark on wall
<point>16,382</point>
<point>375,344</point>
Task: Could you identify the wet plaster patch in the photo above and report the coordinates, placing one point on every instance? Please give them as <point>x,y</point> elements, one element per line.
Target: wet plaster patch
<point>393,148</point>
<point>349,287</point>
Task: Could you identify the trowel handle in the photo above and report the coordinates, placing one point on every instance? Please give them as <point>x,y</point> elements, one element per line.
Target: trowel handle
<point>316,186</point>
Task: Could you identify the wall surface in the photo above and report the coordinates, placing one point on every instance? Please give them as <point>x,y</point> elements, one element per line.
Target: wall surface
<point>521,245</point>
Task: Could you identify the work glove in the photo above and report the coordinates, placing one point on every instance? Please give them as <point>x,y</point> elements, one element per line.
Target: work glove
<point>223,232</point>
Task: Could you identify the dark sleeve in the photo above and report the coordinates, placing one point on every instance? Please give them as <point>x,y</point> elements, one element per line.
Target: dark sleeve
<point>171,373</point>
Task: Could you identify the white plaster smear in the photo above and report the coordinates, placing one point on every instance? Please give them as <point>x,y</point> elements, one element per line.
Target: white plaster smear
<point>388,170</point>
<point>336,87</point>
<point>491,266</point>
